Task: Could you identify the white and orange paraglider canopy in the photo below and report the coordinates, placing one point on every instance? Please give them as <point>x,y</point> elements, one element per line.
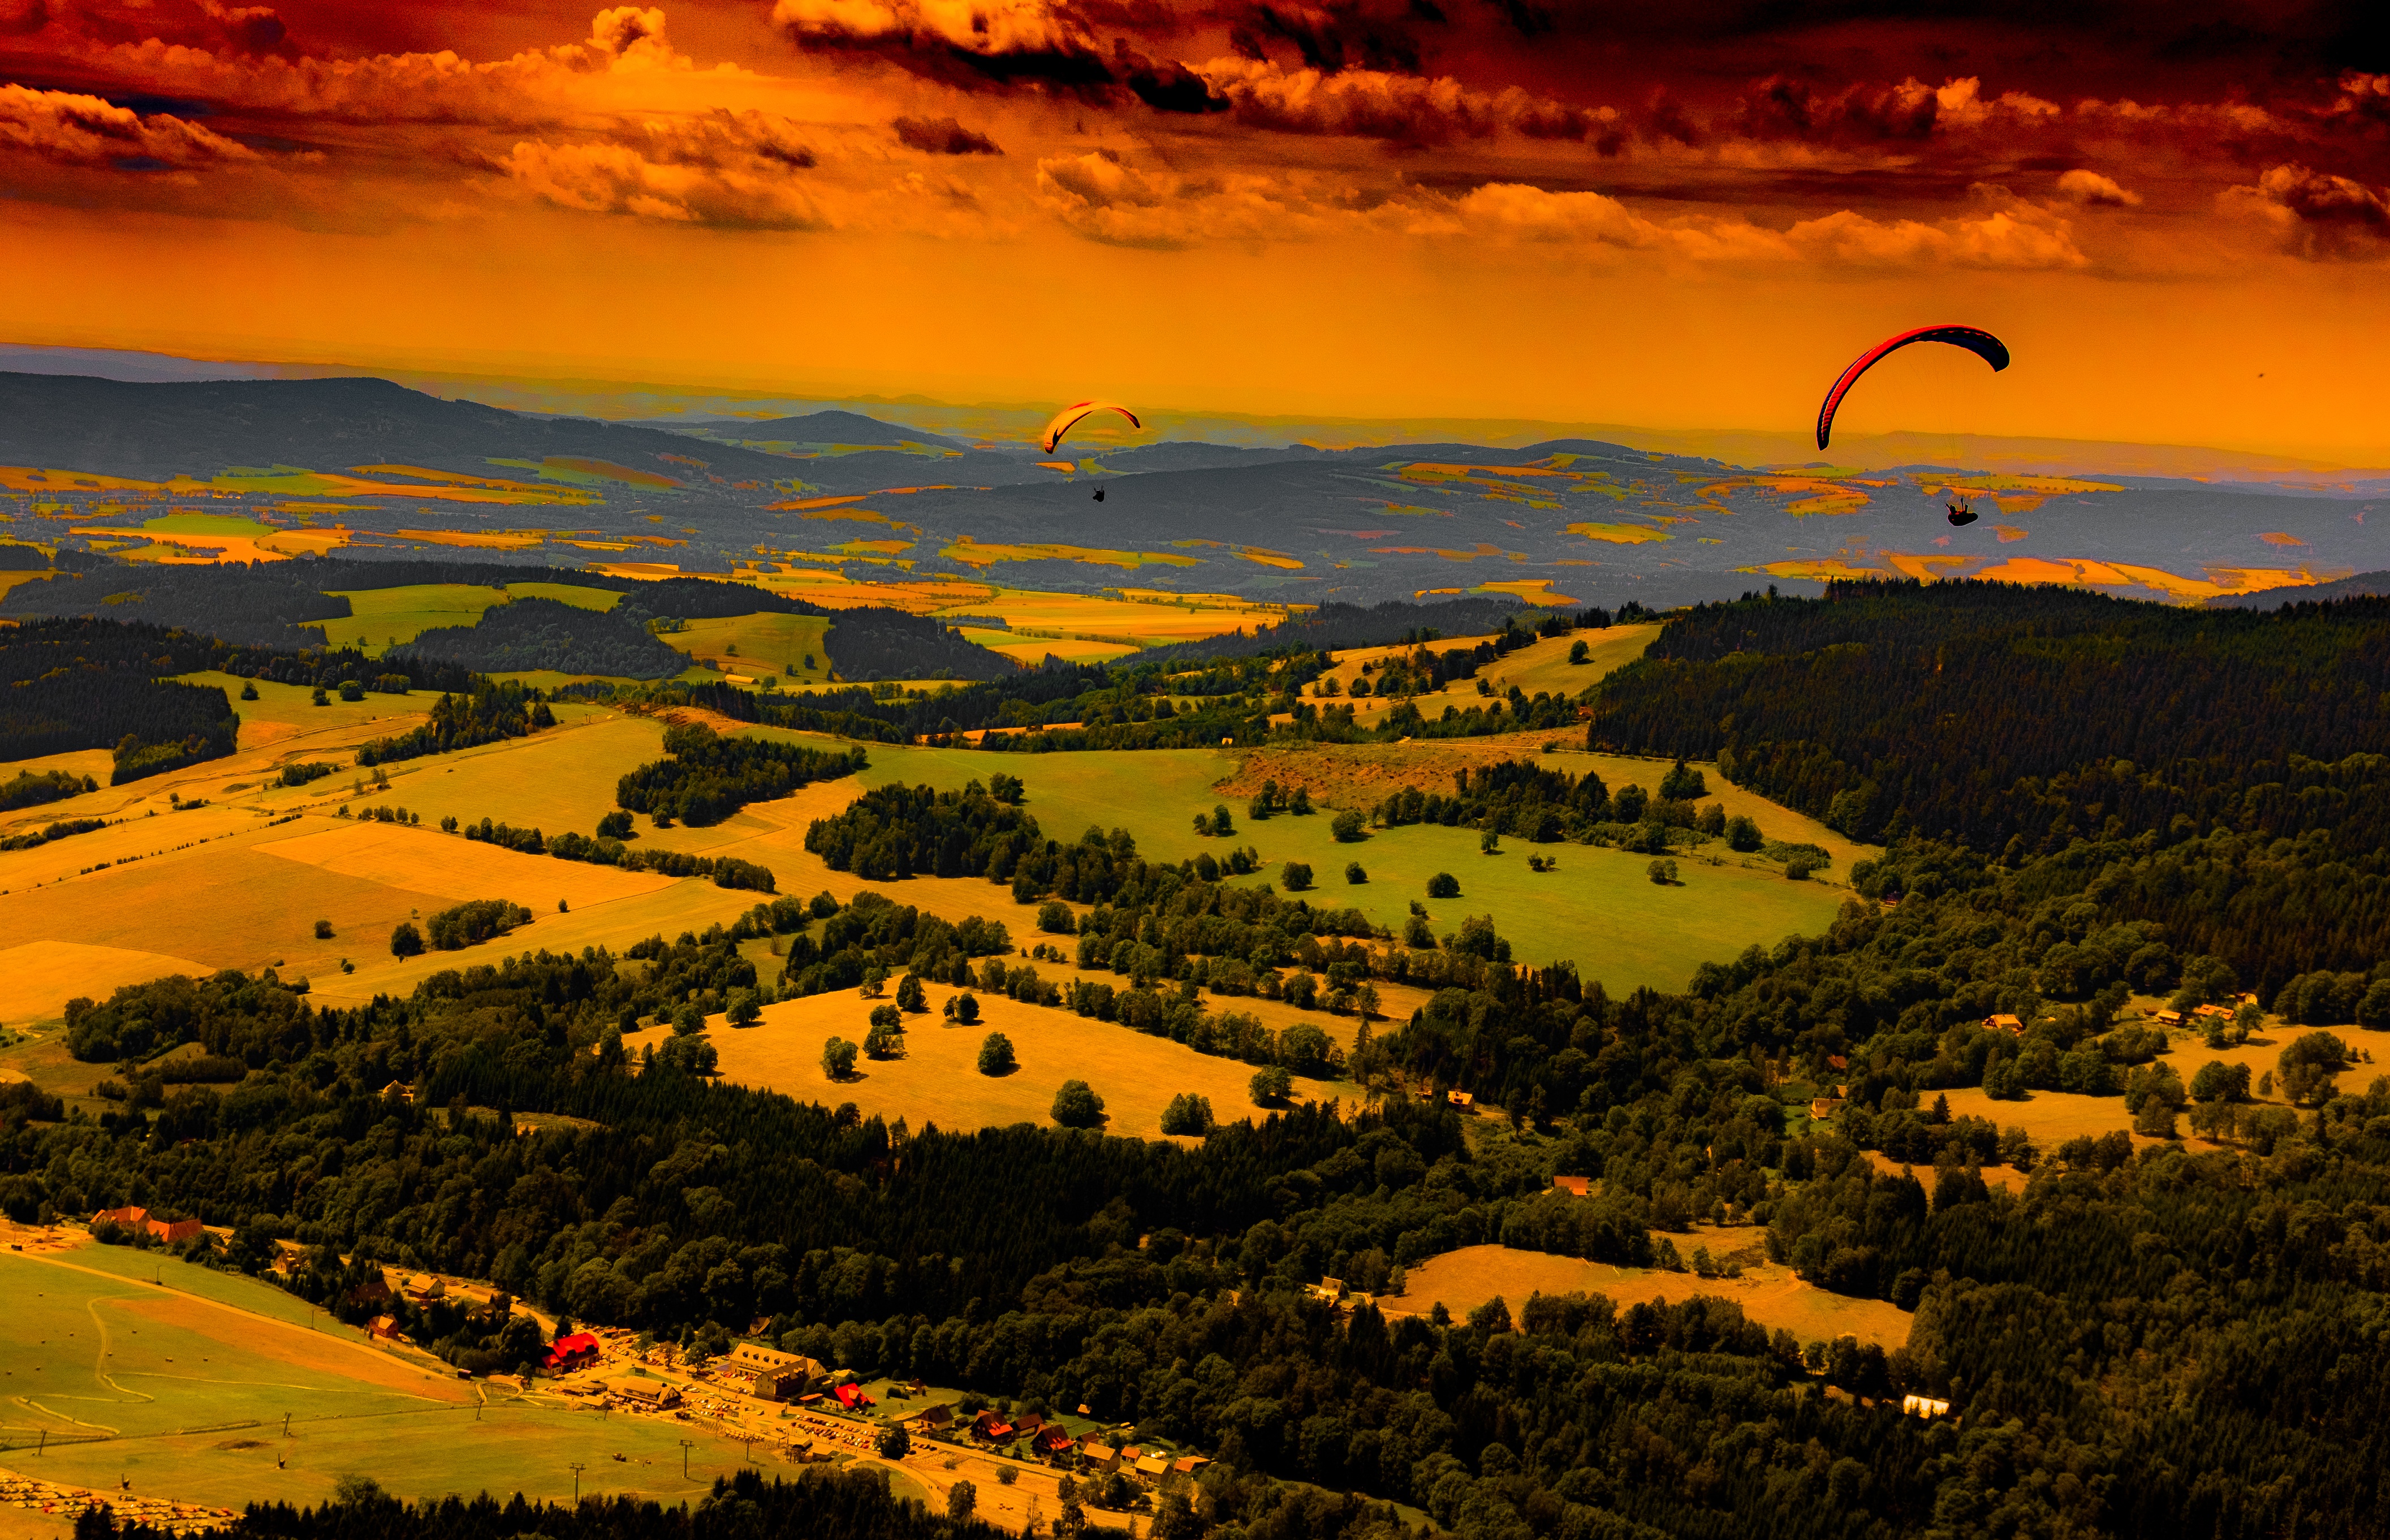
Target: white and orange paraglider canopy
<point>1069,417</point>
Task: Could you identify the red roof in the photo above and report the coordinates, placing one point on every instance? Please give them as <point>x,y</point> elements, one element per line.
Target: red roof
<point>572,1349</point>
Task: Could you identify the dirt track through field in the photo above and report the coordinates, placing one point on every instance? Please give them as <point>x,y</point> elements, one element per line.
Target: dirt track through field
<point>248,1331</point>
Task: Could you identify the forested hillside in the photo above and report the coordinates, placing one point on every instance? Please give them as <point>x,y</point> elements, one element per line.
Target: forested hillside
<point>2113,1337</point>
<point>2022,722</point>
<point>547,634</point>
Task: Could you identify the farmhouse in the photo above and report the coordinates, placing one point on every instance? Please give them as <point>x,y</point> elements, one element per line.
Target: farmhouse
<point>1098,1456</point>
<point>2167,1018</point>
<point>1925,1406</point>
<point>645,1393</point>
<point>1186,1464</point>
<point>2006,1023</point>
<point>1824,1107</point>
<point>2213,1013</point>
<point>1575,1186</point>
<point>932,1419</point>
<point>773,1375</point>
<point>384,1329</point>
<point>569,1353</point>
<point>1152,1467</point>
<point>1330,1290</point>
<point>174,1232</point>
<point>1462,1100</point>
<point>1052,1439</point>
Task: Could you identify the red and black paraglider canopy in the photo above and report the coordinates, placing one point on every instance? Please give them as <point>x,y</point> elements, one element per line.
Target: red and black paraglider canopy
<point>1982,344</point>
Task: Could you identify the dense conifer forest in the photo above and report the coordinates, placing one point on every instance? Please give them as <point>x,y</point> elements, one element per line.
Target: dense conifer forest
<point>548,634</point>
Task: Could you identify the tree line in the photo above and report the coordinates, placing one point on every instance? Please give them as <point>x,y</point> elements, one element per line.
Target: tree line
<point>706,776</point>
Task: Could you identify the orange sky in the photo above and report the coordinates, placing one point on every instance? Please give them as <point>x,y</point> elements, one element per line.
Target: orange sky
<point>1677,216</point>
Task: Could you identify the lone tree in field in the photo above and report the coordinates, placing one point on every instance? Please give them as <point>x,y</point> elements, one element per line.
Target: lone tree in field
<point>1296,875</point>
<point>962,1501</point>
<point>1077,1106</point>
<point>1271,1086</point>
<point>323,929</point>
<point>910,995</point>
<point>1345,826</point>
<point>406,941</point>
<point>744,1007</point>
<point>1742,835</point>
<point>1683,783</point>
<point>1444,885</point>
<point>838,1058</point>
<point>1187,1114</point>
<point>1578,651</point>
<point>2305,1070</point>
<point>996,1056</point>
<point>1354,873</point>
<point>894,1442</point>
<point>963,1009</point>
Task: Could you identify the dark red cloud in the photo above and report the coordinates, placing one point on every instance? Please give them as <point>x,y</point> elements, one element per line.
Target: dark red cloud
<point>1346,33</point>
<point>252,32</point>
<point>1784,107</point>
<point>1009,43</point>
<point>942,136</point>
<point>2320,214</point>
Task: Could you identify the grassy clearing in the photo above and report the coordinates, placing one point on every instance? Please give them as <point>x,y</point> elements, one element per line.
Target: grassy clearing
<point>1361,776</point>
<point>552,781</point>
<point>1139,616</point>
<point>1538,668</point>
<point>285,711</point>
<point>1599,909</point>
<point>1154,795</point>
<point>45,1061</point>
<point>1543,666</point>
<point>1034,651</point>
<point>449,865</point>
<point>689,905</point>
<point>1770,1295</point>
<point>92,1352</point>
<point>2049,1117</point>
<point>759,645</point>
<point>565,593</point>
<point>383,618</point>
<point>938,1080</point>
<point>38,977</point>
<point>224,906</point>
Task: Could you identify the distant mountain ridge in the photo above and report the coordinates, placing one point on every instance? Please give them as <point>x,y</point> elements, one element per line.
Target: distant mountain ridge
<point>156,431</point>
<point>1562,521</point>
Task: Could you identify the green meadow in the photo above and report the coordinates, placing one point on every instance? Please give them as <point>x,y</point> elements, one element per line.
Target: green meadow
<point>183,1391</point>
<point>1599,910</point>
<point>384,618</point>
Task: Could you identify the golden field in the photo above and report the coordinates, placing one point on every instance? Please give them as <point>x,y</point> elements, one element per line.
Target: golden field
<point>938,1080</point>
<point>1769,1294</point>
